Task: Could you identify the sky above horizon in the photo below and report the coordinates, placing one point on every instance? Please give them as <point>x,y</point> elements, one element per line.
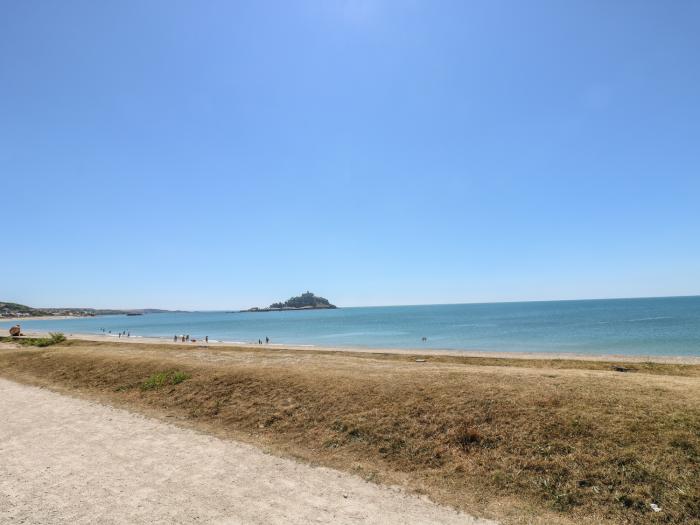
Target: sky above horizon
<point>215,155</point>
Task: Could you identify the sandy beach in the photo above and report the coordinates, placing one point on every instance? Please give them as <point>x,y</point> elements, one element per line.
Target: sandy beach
<point>38,318</point>
<point>688,360</point>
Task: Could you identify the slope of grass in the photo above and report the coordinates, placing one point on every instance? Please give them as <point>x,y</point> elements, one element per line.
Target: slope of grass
<point>523,444</point>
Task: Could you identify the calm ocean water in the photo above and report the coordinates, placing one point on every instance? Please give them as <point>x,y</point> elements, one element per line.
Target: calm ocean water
<point>656,326</point>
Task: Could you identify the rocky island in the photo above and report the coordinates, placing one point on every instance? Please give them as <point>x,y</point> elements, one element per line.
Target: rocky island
<point>305,301</point>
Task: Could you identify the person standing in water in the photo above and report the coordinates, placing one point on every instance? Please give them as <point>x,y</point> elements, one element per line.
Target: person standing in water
<point>267,340</point>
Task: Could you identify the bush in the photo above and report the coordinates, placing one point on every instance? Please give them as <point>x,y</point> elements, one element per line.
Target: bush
<point>159,379</point>
<point>53,339</point>
<point>178,377</point>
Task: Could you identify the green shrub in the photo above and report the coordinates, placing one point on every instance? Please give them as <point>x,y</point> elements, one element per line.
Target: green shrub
<point>159,379</point>
<point>53,339</point>
<point>178,377</point>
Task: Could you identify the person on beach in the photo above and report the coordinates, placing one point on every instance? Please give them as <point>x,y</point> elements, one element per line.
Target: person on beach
<point>206,338</point>
<point>267,340</point>
<point>188,337</point>
<point>175,339</point>
<point>183,338</point>
<point>259,341</point>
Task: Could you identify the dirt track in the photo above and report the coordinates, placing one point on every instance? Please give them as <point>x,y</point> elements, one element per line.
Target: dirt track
<point>65,460</point>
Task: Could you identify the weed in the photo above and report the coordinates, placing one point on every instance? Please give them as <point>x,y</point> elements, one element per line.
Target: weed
<point>178,377</point>
<point>160,379</point>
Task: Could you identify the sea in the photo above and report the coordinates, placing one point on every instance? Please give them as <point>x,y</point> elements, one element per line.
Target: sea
<point>668,326</point>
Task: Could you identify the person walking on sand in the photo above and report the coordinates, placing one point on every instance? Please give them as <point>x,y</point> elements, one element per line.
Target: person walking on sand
<point>206,338</point>
<point>175,338</point>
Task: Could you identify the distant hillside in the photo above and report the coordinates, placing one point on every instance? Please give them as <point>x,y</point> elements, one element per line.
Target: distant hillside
<point>8,310</point>
<point>20,310</point>
<point>305,301</point>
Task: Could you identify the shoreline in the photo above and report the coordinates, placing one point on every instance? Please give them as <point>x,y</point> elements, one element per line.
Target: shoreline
<point>440,426</point>
<point>136,339</point>
<point>43,318</point>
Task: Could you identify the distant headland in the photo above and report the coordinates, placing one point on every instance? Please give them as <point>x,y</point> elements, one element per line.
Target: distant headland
<point>15,310</point>
<point>305,301</point>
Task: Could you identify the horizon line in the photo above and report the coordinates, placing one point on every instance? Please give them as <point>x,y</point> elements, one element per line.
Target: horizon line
<point>186,310</point>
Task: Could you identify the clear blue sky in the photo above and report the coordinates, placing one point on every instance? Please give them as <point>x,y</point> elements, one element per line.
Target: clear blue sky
<point>221,154</point>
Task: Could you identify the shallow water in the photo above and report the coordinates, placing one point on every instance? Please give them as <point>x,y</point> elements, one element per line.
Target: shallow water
<point>656,326</point>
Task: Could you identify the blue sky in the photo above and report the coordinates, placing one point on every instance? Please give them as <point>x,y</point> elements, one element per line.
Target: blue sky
<point>223,154</point>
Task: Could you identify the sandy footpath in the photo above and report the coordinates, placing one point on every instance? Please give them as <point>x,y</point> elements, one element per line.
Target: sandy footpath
<point>66,460</point>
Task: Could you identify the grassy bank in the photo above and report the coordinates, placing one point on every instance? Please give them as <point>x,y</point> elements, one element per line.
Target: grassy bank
<point>53,338</point>
<point>522,441</point>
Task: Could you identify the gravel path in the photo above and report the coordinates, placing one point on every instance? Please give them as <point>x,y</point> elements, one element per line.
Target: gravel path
<point>65,460</point>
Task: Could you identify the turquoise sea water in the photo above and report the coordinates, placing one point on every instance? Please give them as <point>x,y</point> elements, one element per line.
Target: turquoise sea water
<point>655,326</point>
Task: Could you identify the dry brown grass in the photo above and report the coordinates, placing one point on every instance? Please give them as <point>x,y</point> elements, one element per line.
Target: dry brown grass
<point>523,441</point>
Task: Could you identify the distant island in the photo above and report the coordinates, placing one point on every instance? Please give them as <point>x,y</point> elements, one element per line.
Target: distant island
<point>14,310</point>
<point>305,301</point>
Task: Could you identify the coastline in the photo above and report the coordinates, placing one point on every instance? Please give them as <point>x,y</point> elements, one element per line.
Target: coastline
<point>42,318</point>
<point>669,359</point>
<point>438,425</point>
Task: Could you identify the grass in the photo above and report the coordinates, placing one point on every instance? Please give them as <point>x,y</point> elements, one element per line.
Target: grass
<point>160,379</point>
<point>53,339</point>
<point>546,442</point>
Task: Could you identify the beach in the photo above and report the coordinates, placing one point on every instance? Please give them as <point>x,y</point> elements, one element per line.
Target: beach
<point>509,439</point>
<point>603,357</point>
<point>350,261</point>
<point>38,318</point>
<point>641,328</point>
